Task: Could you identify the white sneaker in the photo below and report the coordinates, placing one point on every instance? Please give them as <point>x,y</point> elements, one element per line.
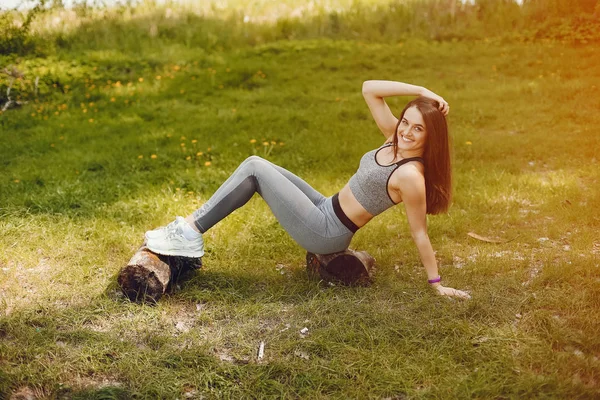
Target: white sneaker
<point>169,241</point>
<point>158,232</point>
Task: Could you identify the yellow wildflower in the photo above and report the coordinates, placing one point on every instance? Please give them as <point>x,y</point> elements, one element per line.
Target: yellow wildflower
<point>153,156</point>
<point>141,79</point>
<point>207,163</point>
<point>252,140</point>
<point>468,143</point>
<point>141,156</point>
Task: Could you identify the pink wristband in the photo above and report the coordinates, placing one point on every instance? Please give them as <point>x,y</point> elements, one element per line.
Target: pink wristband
<point>436,280</point>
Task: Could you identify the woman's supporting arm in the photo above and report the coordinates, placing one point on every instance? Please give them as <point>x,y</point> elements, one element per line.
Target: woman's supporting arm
<point>411,185</point>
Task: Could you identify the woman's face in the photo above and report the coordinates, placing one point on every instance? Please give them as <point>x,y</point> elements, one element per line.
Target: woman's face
<point>411,131</point>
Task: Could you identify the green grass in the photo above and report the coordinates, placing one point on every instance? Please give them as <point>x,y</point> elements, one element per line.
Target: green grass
<point>76,198</point>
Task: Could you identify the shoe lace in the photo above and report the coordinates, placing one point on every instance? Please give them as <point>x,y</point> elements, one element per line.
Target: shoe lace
<point>173,224</point>
<point>174,230</point>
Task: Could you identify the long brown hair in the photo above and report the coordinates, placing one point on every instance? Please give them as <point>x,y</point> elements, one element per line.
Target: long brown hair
<point>436,154</point>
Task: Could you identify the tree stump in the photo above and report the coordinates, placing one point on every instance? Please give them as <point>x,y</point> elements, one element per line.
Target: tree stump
<point>349,267</point>
<point>147,276</point>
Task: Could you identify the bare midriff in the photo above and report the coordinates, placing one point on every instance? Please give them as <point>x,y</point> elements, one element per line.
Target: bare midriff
<point>352,207</point>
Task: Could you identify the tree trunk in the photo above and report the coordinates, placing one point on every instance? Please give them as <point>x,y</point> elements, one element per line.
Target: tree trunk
<point>147,276</point>
<point>349,267</point>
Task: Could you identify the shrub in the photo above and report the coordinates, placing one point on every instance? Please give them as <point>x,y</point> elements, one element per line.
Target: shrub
<point>15,37</point>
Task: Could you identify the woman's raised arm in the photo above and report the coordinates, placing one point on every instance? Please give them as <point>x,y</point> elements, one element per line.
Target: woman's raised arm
<point>375,91</point>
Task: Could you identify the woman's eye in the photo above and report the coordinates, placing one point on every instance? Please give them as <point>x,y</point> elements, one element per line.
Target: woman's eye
<point>403,122</point>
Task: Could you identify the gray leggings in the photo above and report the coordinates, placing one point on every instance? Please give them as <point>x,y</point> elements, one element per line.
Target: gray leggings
<point>306,214</point>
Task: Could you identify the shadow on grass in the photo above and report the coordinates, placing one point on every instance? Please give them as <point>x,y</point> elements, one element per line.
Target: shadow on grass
<point>234,287</point>
<point>106,393</point>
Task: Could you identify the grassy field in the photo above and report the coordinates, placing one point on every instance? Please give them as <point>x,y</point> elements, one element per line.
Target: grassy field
<point>117,142</point>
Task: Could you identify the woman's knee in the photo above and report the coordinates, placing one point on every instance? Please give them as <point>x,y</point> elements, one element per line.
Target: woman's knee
<point>249,160</point>
<point>254,159</point>
<point>255,162</point>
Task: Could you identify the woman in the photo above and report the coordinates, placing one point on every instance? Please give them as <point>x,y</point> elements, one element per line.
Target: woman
<point>412,167</point>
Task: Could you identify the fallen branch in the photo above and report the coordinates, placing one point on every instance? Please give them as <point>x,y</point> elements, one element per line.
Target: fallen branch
<point>14,74</point>
<point>489,240</point>
<point>10,101</point>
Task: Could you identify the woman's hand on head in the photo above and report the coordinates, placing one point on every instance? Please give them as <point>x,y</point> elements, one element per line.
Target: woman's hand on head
<point>443,104</point>
<point>448,291</point>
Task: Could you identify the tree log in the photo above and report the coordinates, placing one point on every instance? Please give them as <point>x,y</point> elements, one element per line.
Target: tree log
<point>349,267</point>
<point>147,276</point>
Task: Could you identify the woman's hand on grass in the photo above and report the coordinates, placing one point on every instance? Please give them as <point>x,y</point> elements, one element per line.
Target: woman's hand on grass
<point>448,291</point>
<point>443,104</point>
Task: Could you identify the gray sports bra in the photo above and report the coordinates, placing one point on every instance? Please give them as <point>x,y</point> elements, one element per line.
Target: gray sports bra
<point>370,182</point>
